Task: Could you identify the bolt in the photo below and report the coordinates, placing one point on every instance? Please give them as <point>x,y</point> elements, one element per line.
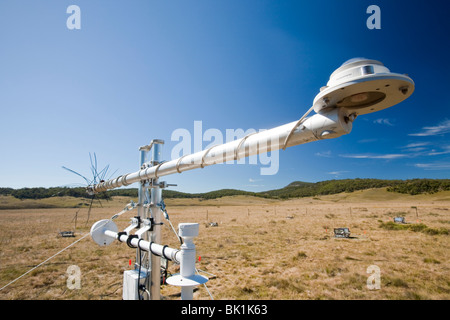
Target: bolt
<point>404,90</point>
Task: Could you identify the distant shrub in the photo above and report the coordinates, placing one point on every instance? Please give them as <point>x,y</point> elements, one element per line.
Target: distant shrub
<point>419,186</point>
<point>416,227</point>
<point>431,260</point>
<point>300,255</point>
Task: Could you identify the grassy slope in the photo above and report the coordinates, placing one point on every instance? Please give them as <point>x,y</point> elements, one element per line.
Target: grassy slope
<point>369,195</point>
<point>304,260</point>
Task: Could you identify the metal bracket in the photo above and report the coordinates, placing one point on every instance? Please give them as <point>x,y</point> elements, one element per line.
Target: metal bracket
<point>135,222</point>
<point>128,207</point>
<point>152,223</point>
<point>90,190</point>
<point>162,184</point>
<point>149,146</point>
<point>148,226</point>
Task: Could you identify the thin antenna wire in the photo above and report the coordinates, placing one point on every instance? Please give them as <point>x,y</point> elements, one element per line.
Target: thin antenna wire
<point>93,169</point>
<point>61,251</point>
<point>89,211</point>
<point>212,298</point>
<point>213,275</point>
<point>162,206</point>
<point>176,234</point>
<point>111,175</point>
<point>40,264</point>
<point>85,179</point>
<point>95,157</point>
<point>97,177</point>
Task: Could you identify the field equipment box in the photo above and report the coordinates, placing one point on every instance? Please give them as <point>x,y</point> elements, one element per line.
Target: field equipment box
<point>399,220</point>
<point>130,284</point>
<point>341,233</point>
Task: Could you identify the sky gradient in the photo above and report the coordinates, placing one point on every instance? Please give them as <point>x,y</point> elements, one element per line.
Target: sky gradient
<point>139,70</point>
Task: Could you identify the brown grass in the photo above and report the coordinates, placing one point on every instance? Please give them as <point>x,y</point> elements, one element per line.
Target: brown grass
<point>260,249</point>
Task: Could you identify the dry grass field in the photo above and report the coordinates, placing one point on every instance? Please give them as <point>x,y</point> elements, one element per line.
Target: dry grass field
<point>260,249</point>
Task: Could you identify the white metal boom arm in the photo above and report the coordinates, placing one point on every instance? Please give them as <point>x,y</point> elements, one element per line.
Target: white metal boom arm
<point>328,124</point>
<point>359,86</point>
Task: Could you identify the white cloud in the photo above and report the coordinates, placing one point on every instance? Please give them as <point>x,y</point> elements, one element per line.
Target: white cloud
<point>418,144</point>
<point>415,147</point>
<point>412,150</point>
<point>418,149</point>
<point>383,121</point>
<point>325,154</point>
<point>440,129</point>
<point>434,166</point>
<point>367,140</point>
<point>337,173</point>
<point>374,156</point>
<point>433,152</point>
<point>422,149</point>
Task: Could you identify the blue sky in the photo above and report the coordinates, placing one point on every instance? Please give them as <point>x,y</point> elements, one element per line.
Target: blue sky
<point>139,70</point>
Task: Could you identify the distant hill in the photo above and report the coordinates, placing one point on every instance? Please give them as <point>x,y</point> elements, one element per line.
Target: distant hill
<point>300,184</point>
<point>299,189</point>
<point>296,189</point>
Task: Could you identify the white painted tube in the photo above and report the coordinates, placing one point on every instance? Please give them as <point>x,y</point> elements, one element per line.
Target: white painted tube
<point>187,279</point>
<point>329,123</point>
<point>157,249</point>
<point>187,265</point>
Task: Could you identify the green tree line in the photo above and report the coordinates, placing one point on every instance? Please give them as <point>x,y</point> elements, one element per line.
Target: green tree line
<point>42,193</point>
<point>296,189</point>
<point>418,186</point>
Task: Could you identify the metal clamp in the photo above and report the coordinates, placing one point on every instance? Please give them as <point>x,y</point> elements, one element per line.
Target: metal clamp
<point>178,163</point>
<point>135,223</point>
<point>202,165</point>
<point>157,167</point>
<point>236,151</point>
<point>128,207</point>
<point>131,237</point>
<point>148,226</point>
<point>296,126</point>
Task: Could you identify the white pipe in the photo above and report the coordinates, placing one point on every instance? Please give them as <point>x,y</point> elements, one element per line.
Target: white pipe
<point>329,123</point>
<point>186,256</point>
<point>157,249</point>
<point>187,279</point>
<point>187,265</point>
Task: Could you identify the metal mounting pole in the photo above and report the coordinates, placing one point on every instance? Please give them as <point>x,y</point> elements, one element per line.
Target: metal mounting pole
<point>156,198</point>
<point>143,201</point>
